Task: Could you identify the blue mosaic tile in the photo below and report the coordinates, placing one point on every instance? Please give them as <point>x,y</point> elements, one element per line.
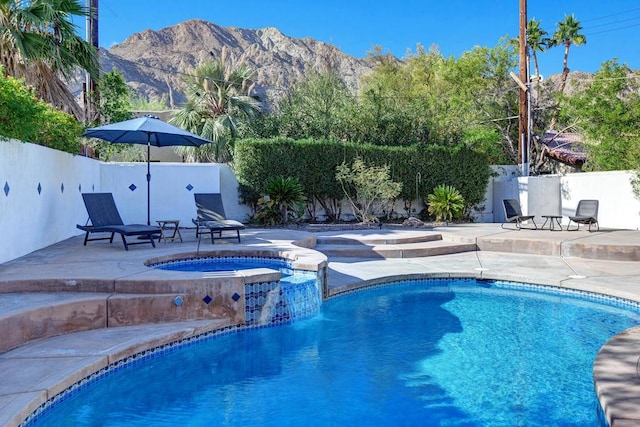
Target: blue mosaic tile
<point>39,188</point>
<point>62,187</point>
<point>235,297</point>
<point>207,299</point>
<point>132,187</point>
<point>6,188</point>
<point>189,187</point>
<point>178,301</point>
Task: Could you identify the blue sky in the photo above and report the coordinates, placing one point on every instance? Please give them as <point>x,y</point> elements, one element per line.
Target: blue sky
<point>355,26</point>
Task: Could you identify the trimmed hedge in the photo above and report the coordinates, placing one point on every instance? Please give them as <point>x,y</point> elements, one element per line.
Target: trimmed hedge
<point>314,162</point>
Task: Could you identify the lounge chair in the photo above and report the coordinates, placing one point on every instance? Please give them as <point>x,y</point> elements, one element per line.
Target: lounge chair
<point>586,213</point>
<point>105,218</point>
<point>211,215</point>
<point>513,214</point>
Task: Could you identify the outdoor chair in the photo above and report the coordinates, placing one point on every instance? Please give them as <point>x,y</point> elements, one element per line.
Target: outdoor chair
<point>105,218</point>
<point>586,213</point>
<point>210,215</point>
<point>513,214</point>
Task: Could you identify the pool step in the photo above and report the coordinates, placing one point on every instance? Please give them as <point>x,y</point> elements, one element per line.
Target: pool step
<point>414,246</point>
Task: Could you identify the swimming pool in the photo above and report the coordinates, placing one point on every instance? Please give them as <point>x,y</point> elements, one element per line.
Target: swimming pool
<point>435,352</point>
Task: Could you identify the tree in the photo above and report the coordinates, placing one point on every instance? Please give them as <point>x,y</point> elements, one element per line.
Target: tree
<point>567,33</point>
<point>115,105</point>
<point>435,100</point>
<point>607,113</point>
<point>315,107</point>
<point>220,100</point>
<point>482,97</point>
<point>38,42</point>
<point>389,112</point>
<point>537,40</point>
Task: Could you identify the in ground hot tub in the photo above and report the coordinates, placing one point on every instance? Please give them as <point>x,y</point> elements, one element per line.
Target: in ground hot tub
<point>276,289</point>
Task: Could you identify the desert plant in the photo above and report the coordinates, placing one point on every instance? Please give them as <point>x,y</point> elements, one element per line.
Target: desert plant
<point>364,185</point>
<point>446,203</point>
<point>284,200</point>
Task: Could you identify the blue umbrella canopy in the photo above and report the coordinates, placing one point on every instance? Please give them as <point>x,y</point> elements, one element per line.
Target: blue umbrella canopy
<point>146,130</point>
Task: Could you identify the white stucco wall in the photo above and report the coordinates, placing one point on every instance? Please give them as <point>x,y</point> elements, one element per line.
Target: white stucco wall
<point>171,189</point>
<point>32,219</point>
<point>618,207</point>
<point>560,194</point>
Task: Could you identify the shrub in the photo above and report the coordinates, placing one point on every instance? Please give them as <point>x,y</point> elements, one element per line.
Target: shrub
<point>446,203</point>
<point>26,118</point>
<point>284,200</point>
<point>365,185</point>
<point>314,163</point>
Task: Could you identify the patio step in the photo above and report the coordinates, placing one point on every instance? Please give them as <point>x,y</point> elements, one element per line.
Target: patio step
<point>414,246</point>
<point>30,316</point>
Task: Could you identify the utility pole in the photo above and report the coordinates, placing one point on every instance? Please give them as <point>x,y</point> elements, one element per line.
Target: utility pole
<point>523,105</point>
<point>90,87</point>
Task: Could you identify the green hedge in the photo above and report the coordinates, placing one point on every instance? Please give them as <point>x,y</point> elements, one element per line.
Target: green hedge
<point>313,163</point>
<point>26,118</point>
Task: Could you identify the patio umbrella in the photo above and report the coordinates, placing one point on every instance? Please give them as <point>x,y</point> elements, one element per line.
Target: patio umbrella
<point>147,130</point>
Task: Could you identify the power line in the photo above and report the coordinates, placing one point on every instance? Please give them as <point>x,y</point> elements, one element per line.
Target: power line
<point>613,14</point>
<point>613,29</point>
<point>615,22</point>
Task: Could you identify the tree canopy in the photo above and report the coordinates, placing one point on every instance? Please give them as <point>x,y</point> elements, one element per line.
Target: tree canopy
<point>607,113</point>
<point>38,42</point>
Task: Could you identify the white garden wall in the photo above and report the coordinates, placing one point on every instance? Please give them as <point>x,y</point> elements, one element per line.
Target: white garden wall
<point>41,203</point>
<point>559,195</point>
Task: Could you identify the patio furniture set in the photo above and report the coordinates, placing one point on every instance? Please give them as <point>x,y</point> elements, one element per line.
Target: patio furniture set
<point>105,218</point>
<point>586,214</point>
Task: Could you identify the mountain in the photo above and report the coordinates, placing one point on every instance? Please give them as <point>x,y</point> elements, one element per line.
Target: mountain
<point>154,63</point>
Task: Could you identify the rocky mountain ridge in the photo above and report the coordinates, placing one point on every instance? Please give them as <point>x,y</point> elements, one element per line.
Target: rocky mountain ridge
<point>154,63</point>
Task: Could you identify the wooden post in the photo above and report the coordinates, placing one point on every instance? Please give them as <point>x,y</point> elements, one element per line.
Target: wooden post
<point>91,91</point>
<point>523,105</point>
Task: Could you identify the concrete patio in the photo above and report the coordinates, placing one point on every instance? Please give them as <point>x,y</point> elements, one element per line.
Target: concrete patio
<point>605,262</point>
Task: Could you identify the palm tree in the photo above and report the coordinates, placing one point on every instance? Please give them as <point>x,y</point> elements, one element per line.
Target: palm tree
<point>219,101</point>
<point>537,41</point>
<point>567,33</point>
<point>38,43</point>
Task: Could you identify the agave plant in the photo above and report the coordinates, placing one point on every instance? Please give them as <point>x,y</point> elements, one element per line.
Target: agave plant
<point>445,203</point>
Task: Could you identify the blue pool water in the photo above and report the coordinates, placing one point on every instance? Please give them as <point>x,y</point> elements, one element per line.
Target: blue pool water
<point>227,263</point>
<point>436,352</point>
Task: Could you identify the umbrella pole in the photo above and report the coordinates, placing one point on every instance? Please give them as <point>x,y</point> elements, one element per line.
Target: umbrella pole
<point>148,182</point>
